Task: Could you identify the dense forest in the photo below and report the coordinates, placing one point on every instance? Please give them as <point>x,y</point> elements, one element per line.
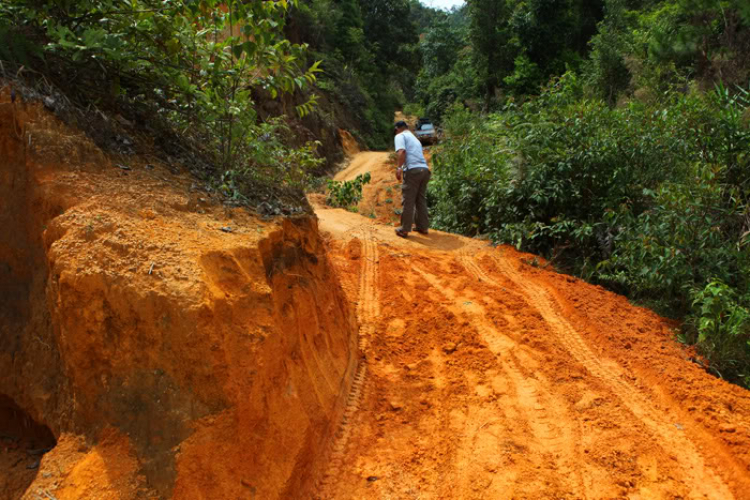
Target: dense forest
<point>612,137</point>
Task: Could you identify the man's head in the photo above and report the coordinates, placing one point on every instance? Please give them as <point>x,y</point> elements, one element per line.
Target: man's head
<point>400,126</point>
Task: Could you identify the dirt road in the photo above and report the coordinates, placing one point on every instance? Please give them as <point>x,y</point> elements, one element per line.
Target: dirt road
<point>485,374</point>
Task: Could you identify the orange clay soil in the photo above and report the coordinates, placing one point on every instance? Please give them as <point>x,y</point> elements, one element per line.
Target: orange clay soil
<point>488,375</point>
<point>170,347</point>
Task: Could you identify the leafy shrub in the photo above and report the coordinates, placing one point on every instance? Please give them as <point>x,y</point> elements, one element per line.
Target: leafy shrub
<point>721,324</point>
<point>347,193</point>
<point>690,234</point>
<point>465,169</point>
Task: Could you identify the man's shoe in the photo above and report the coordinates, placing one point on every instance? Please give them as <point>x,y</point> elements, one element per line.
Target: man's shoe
<point>401,233</point>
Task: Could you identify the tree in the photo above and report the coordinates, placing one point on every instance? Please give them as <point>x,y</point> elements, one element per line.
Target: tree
<point>491,39</point>
<point>440,47</point>
<point>553,33</point>
<point>390,31</point>
<point>348,29</point>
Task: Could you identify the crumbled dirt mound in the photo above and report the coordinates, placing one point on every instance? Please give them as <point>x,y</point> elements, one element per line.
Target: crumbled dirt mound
<point>348,143</point>
<point>173,347</point>
<point>491,376</point>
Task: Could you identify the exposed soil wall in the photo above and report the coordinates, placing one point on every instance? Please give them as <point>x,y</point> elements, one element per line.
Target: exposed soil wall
<point>174,348</point>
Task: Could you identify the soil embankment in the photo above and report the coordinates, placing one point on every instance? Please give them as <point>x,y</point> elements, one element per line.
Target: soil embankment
<point>489,375</point>
<point>169,347</point>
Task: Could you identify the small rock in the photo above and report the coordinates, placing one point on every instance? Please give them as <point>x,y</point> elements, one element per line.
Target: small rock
<point>227,229</point>
<point>450,347</point>
<point>49,102</point>
<point>412,366</point>
<point>396,405</point>
<point>34,465</point>
<point>121,166</point>
<point>372,479</point>
<point>727,428</point>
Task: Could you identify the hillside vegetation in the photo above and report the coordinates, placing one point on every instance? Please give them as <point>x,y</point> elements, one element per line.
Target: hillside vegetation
<point>614,139</point>
<point>232,88</point>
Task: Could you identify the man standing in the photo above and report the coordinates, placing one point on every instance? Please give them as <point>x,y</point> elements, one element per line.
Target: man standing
<point>416,174</point>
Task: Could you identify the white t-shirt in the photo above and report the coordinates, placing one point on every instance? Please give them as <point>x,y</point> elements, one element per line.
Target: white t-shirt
<point>414,157</point>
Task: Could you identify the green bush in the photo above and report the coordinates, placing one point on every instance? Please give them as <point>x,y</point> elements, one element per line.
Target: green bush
<point>347,193</point>
<point>689,234</point>
<point>721,327</point>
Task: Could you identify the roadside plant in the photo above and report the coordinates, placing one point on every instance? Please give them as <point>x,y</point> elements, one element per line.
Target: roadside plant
<point>722,327</point>
<point>346,194</point>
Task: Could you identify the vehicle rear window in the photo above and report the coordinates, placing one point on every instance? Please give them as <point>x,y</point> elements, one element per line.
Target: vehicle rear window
<point>426,126</point>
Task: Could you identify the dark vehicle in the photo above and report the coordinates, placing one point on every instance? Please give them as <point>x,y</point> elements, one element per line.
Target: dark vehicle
<point>426,132</point>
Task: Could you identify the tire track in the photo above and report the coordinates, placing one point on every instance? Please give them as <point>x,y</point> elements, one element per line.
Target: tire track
<point>531,393</point>
<point>368,311</point>
<point>551,437</point>
<point>706,482</point>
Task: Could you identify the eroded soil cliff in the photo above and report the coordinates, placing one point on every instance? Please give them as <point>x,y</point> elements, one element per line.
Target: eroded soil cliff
<point>170,346</point>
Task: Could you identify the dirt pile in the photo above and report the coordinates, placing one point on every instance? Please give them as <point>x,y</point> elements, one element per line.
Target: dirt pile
<point>172,347</point>
<point>348,143</point>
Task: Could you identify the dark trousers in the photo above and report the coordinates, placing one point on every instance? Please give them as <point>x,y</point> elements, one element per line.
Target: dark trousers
<point>414,199</point>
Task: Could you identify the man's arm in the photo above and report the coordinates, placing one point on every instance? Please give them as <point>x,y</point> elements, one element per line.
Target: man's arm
<point>401,160</point>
